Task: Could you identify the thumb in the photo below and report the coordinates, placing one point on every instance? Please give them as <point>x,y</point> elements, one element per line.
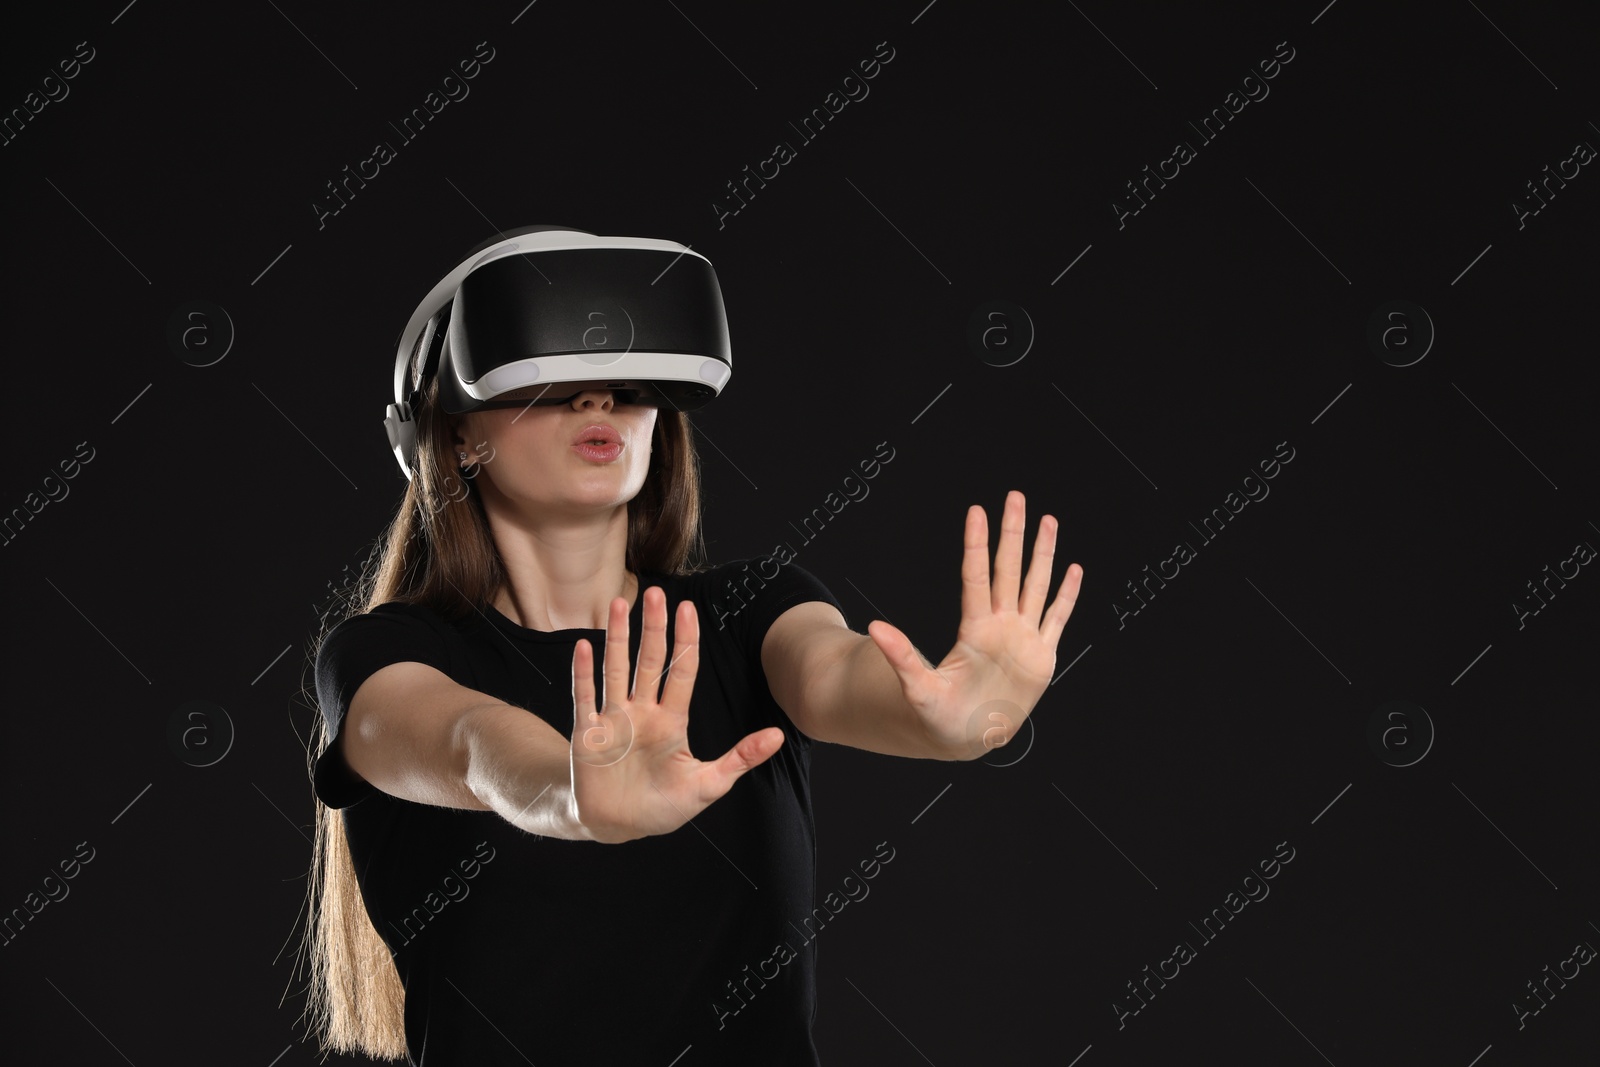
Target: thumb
<point>752,750</point>
<point>901,654</point>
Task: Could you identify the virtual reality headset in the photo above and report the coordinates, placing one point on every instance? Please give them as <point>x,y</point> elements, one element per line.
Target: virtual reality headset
<point>539,314</point>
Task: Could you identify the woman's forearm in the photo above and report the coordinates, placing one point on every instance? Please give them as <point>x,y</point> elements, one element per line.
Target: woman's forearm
<point>870,712</point>
<point>520,766</point>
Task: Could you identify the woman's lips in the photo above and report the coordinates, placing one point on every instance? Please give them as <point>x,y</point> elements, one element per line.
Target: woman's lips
<point>597,453</point>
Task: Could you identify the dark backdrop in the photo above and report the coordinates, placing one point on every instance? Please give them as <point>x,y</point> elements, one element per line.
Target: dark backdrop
<point>1379,661</point>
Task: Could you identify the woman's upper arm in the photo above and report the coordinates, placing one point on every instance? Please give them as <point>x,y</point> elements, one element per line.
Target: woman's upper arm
<point>402,734</point>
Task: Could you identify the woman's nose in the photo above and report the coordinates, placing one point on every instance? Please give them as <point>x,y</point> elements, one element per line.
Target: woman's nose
<point>602,396</point>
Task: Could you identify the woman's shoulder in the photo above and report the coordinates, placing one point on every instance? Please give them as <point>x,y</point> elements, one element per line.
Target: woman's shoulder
<point>775,566</point>
<point>707,580</point>
<point>412,608</point>
<point>400,609</point>
<point>714,572</point>
<point>407,614</point>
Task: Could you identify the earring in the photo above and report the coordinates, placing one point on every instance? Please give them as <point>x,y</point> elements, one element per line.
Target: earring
<point>463,456</point>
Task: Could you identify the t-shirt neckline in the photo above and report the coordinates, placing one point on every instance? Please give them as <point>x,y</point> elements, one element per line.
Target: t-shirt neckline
<point>635,616</point>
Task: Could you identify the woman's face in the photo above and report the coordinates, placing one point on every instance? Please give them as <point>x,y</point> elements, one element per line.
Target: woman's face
<point>529,455</point>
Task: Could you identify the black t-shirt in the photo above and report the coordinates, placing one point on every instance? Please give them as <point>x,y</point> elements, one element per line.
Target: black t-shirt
<point>514,947</point>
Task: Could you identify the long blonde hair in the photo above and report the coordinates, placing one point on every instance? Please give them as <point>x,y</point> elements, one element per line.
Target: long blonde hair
<point>438,552</point>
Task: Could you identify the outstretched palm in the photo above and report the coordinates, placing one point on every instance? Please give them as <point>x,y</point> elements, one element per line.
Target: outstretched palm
<point>1005,649</point>
<point>632,772</point>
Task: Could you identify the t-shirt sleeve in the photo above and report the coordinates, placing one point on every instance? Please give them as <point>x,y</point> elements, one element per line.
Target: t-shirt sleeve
<point>354,650</point>
<point>791,585</point>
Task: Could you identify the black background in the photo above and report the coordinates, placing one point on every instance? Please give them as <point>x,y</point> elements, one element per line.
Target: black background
<point>1177,748</point>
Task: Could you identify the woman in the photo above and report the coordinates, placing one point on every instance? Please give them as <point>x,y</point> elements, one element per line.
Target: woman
<point>504,888</point>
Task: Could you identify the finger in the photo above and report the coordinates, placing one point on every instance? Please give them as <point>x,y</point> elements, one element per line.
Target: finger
<point>616,671</point>
<point>685,660</point>
<point>1037,587</point>
<point>652,644</point>
<point>975,604</point>
<point>1008,554</point>
<point>718,776</point>
<point>1061,610</point>
<point>582,684</point>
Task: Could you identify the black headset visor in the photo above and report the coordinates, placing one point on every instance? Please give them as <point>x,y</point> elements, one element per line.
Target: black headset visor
<point>540,327</point>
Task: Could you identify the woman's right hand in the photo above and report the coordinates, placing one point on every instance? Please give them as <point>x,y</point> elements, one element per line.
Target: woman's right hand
<point>632,772</point>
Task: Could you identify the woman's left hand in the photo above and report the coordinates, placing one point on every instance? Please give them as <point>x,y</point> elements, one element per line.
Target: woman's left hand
<point>1004,655</point>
